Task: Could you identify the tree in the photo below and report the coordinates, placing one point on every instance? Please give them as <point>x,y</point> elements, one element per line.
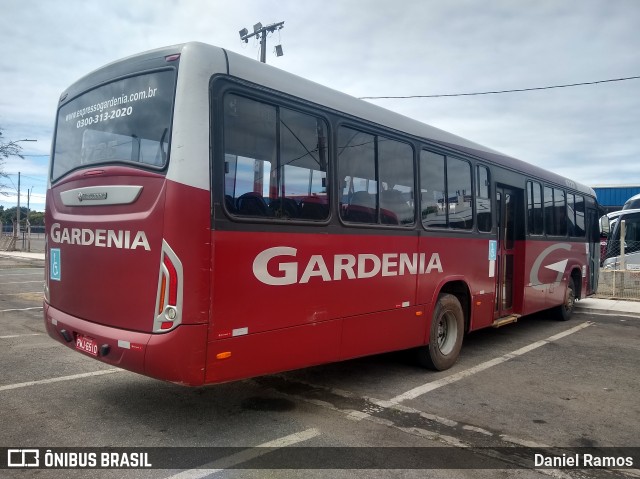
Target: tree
<point>8,149</point>
<point>36,218</point>
<point>9,215</point>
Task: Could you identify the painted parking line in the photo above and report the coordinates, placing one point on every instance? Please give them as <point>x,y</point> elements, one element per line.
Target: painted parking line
<point>30,273</point>
<point>428,387</point>
<point>21,294</point>
<point>62,378</point>
<point>247,455</point>
<point>20,335</point>
<point>20,309</point>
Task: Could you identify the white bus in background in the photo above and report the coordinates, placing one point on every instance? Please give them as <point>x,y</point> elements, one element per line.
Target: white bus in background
<point>611,226</point>
<point>632,203</point>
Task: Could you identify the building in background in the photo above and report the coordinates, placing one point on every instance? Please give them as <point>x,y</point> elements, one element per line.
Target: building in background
<point>613,197</point>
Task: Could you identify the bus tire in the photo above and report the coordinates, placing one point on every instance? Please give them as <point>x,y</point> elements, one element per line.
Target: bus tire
<point>565,310</point>
<point>445,339</point>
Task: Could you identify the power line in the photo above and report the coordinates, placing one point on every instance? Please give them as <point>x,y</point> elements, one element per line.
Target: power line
<point>35,179</point>
<point>502,91</point>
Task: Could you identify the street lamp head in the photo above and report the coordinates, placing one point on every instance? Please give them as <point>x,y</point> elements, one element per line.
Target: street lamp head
<point>257,27</point>
<point>243,33</point>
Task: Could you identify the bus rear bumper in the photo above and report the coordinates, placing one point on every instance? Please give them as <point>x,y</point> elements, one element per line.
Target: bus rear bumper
<point>177,356</point>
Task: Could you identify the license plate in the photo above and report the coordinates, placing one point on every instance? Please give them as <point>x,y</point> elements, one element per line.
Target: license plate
<point>86,345</point>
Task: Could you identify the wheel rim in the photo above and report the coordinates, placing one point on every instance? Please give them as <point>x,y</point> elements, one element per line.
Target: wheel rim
<point>447,332</point>
<point>569,300</point>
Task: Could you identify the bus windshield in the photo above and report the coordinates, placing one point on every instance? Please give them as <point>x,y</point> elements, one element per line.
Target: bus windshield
<point>125,121</point>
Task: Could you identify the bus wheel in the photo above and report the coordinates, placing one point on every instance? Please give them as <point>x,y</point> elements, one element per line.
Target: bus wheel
<point>565,310</point>
<point>445,340</point>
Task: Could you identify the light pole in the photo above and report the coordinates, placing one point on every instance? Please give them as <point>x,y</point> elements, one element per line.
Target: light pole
<point>28,223</point>
<point>260,33</point>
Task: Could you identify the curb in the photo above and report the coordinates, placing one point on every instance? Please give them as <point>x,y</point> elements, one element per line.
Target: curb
<point>607,312</point>
<point>30,259</point>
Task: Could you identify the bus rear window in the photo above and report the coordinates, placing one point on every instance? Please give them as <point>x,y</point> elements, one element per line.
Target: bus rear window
<point>125,121</point>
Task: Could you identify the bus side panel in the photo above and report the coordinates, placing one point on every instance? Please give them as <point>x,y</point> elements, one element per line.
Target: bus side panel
<point>519,276</point>
<point>178,356</point>
<point>380,332</point>
<point>298,288</point>
<point>267,281</point>
<point>187,231</point>
<point>548,266</point>
<point>465,258</point>
<point>272,351</point>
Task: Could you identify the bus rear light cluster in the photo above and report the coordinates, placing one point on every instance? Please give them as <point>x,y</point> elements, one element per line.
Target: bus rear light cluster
<point>168,312</point>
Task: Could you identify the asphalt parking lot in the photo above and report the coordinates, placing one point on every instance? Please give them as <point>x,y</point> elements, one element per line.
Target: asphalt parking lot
<point>535,384</point>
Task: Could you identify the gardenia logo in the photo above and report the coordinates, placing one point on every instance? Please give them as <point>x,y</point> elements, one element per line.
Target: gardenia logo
<point>122,239</point>
<point>343,266</point>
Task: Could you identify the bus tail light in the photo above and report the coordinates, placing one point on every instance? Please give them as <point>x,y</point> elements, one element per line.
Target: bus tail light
<point>168,312</point>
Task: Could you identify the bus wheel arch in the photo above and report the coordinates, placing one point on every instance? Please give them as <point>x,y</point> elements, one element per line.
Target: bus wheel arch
<point>461,291</point>
<point>576,275</point>
<point>571,293</point>
<point>448,324</point>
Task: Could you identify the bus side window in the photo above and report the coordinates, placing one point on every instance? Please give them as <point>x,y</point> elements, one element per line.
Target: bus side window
<point>580,228</point>
<point>560,207</point>
<point>303,167</point>
<point>250,153</point>
<point>459,194</point>
<point>357,171</point>
<point>535,216</point>
<point>483,199</point>
<point>549,223</point>
<point>433,203</point>
<point>396,171</point>
<point>275,161</point>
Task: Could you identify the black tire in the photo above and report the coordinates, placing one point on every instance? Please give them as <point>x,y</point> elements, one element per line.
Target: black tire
<point>445,339</point>
<point>565,310</point>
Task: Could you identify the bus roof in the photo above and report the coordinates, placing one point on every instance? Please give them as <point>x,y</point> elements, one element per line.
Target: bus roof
<point>199,56</point>
<point>274,78</point>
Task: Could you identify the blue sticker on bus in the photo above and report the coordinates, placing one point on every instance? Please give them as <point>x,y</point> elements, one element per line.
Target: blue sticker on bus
<point>493,250</point>
<point>54,269</point>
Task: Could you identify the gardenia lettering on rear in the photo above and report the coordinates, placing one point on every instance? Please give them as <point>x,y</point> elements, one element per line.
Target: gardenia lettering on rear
<point>121,239</point>
<point>343,266</point>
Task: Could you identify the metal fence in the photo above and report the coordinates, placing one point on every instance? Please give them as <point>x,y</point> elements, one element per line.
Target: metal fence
<point>33,243</point>
<point>620,271</point>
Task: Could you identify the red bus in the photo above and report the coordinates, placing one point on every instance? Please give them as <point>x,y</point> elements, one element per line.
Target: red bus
<point>211,218</point>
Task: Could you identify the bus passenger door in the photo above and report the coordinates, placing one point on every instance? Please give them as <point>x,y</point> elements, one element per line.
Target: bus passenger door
<point>593,240</point>
<point>506,209</point>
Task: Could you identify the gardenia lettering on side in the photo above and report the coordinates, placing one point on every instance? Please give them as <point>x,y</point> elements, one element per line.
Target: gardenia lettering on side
<point>343,266</point>
<point>122,239</point>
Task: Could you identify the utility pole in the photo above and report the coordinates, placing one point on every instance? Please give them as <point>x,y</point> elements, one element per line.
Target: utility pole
<point>17,228</point>
<point>28,223</point>
<point>260,33</point>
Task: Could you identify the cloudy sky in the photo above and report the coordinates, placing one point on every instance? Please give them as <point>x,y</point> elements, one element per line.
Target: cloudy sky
<point>365,48</point>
